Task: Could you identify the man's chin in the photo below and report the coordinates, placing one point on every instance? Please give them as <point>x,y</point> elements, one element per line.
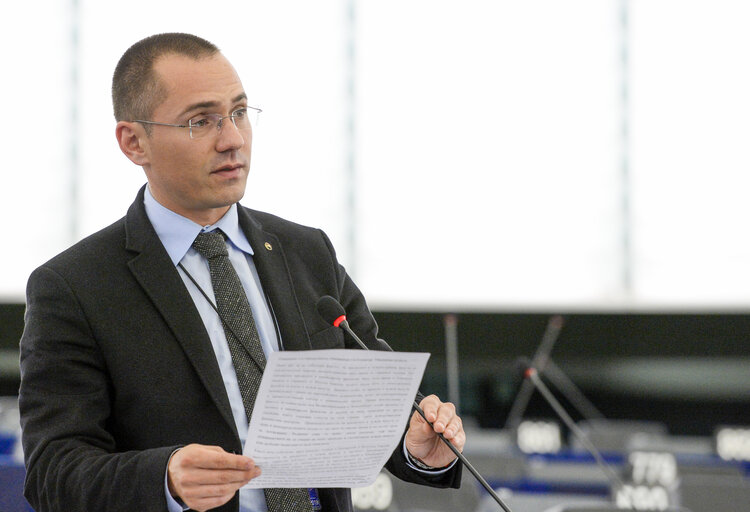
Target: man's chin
<point>229,197</point>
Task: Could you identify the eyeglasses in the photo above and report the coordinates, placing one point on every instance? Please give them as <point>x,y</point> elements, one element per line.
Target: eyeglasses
<point>244,119</point>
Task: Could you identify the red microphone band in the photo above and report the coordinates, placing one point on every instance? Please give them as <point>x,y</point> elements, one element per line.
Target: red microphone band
<point>529,372</point>
<point>338,321</point>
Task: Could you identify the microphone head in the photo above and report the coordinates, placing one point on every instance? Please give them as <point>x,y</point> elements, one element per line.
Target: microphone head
<point>330,309</point>
<point>524,368</point>
<point>557,322</point>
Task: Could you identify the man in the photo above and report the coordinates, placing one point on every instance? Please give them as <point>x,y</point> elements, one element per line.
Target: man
<point>133,391</point>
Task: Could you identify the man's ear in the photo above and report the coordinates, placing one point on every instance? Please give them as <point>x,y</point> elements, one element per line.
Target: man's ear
<point>132,140</point>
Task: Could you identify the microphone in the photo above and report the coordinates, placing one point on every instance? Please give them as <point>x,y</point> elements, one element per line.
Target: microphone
<point>334,313</point>
<point>530,373</point>
<point>540,360</point>
<point>544,365</point>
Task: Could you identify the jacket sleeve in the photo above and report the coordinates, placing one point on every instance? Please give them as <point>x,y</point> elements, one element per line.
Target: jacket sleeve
<point>65,400</point>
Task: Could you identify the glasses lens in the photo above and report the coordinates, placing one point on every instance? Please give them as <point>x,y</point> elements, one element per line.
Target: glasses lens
<point>200,126</point>
<point>245,118</point>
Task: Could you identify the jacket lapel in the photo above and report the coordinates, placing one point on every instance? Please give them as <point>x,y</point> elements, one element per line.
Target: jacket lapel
<point>277,282</point>
<point>160,280</point>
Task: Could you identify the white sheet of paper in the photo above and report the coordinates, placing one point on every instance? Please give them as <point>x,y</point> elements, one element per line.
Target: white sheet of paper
<point>330,418</point>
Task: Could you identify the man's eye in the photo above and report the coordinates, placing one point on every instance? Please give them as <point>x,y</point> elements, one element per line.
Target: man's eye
<point>200,121</point>
<point>240,112</point>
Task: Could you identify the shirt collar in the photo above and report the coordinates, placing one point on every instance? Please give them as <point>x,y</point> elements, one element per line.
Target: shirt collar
<point>177,233</point>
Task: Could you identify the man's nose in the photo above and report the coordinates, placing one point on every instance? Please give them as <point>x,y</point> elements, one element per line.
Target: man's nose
<point>230,137</point>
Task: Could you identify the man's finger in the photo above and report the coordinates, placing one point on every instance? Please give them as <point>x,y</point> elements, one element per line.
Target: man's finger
<point>445,414</point>
<point>211,457</point>
<point>429,406</point>
<point>454,427</point>
<point>209,477</point>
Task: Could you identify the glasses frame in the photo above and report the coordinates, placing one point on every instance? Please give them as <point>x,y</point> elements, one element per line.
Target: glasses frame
<point>219,120</point>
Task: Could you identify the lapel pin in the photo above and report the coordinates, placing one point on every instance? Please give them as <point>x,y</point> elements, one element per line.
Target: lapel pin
<point>269,246</point>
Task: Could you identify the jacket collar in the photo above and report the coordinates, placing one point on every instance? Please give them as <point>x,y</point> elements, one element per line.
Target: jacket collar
<point>157,275</point>
<point>276,279</point>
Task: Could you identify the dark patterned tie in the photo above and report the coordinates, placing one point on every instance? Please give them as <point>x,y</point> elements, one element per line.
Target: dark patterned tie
<point>245,347</point>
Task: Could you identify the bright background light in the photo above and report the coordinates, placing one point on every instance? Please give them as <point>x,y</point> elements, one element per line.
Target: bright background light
<point>472,154</point>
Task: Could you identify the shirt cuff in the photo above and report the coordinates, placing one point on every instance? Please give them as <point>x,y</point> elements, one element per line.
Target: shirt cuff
<point>173,505</point>
<point>436,471</point>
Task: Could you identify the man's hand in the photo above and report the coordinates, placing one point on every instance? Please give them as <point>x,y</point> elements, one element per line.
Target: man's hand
<point>422,440</point>
<point>205,477</point>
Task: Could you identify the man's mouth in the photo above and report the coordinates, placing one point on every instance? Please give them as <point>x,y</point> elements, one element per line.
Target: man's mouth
<point>228,170</point>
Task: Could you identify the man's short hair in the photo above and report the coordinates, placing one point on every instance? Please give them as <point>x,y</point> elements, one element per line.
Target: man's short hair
<point>136,89</point>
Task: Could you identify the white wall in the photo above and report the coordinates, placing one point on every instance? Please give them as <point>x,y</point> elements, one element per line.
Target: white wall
<point>496,144</point>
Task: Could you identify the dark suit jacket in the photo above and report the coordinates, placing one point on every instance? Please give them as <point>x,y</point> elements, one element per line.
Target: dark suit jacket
<point>117,370</point>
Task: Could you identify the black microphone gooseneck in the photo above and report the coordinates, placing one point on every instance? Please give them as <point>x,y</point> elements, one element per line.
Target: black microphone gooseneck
<point>541,357</point>
<point>532,375</point>
<point>334,313</point>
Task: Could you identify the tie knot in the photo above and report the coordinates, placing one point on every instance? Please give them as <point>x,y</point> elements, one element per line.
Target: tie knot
<point>210,245</point>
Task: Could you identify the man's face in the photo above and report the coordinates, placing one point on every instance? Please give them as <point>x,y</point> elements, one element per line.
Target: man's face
<point>197,178</point>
